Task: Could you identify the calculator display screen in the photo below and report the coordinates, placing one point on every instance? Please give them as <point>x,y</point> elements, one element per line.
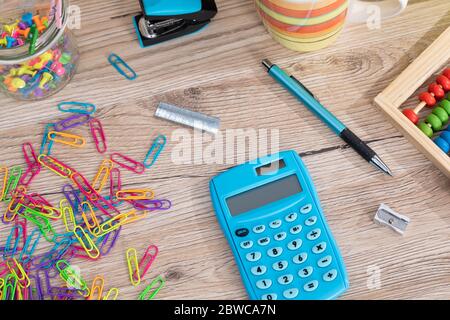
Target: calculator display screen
<point>263,195</point>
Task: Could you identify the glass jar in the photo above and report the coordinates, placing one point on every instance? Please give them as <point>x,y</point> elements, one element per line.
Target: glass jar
<point>38,52</point>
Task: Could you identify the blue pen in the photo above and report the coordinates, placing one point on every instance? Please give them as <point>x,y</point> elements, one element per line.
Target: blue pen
<point>298,90</point>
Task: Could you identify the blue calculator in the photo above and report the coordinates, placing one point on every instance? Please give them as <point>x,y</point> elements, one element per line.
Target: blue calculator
<point>271,216</point>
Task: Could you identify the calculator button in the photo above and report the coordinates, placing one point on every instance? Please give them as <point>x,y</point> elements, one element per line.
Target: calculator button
<point>325,261</point>
<point>311,286</point>
<point>286,279</point>
<point>291,293</point>
<point>259,229</point>
<point>264,241</point>
<point>296,229</point>
<point>275,224</point>
<point>264,284</point>
<point>242,232</point>
<point>306,209</point>
<point>330,275</point>
<point>291,217</point>
<point>253,256</point>
<point>300,258</point>
<point>311,221</point>
<point>274,252</point>
<point>313,234</point>
<point>258,270</point>
<point>280,236</point>
<point>271,296</point>
<point>319,248</point>
<point>280,265</point>
<point>305,272</point>
<point>295,244</point>
<point>246,244</point>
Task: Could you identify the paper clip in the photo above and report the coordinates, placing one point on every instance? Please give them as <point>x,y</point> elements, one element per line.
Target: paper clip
<point>72,122</point>
<point>147,259</point>
<point>136,194</point>
<point>132,216</point>
<point>11,246</point>
<point>17,270</point>
<point>86,242</point>
<point>9,288</point>
<point>73,198</point>
<point>46,143</point>
<point>3,181</point>
<point>49,259</point>
<point>133,266</point>
<point>71,276</point>
<point>84,186</point>
<point>3,269</point>
<point>110,238</point>
<point>97,288</point>
<point>56,166</point>
<point>152,290</point>
<point>106,207</point>
<point>151,205</point>
<point>43,211</point>
<point>77,107</point>
<point>41,222</point>
<point>156,148</point>
<point>128,163</point>
<point>102,175</point>
<point>30,174</point>
<point>13,180</point>
<point>86,206</point>
<point>112,294</point>
<point>67,138</point>
<point>29,154</point>
<point>11,211</point>
<point>67,215</point>
<point>122,67</point>
<point>98,135</point>
<point>115,184</point>
<point>30,246</point>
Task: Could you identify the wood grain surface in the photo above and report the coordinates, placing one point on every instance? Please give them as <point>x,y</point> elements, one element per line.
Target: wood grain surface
<point>218,72</point>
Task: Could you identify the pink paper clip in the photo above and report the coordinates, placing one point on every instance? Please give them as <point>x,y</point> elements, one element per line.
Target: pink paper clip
<point>98,135</point>
<point>115,184</point>
<point>128,163</point>
<point>29,155</point>
<point>148,259</point>
<point>84,186</point>
<point>38,200</point>
<point>105,206</point>
<point>30,174</point>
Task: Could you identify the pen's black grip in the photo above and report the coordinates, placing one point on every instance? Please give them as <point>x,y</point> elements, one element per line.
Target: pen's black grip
<point>357,144</point>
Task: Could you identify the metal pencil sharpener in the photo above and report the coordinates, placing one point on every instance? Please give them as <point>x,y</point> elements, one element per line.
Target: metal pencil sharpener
<point>163,20</point>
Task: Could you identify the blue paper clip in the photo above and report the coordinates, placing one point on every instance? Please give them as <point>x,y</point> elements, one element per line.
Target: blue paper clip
<point>117,61</point>
<point>77,107</point>
<point>155,150</point>
<point>30,246</point>
<point>9,250</point>
<point>47,144</point>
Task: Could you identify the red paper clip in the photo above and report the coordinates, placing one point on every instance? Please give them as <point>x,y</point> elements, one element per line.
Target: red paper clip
<point>29,155</point>
<point>56,166</point>
<point>148,259</point>
<point>84,186</point>
<point>105,206</point>
<point>128,163</point>
<point>98,135</point>
<point>30,174</point>
<point>115,184</point>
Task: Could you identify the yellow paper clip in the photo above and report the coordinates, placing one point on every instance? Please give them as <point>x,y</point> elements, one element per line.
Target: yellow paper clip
<point>114,292</point>
<point>56,166</point>
<point>2,283</point>
<point>133,260</point>
<point>17,270</point>
<point>132,216</point>
<point>97,288</point>
<point>152,290</point>
<point>137,194</point>
<point>72,278</point>
<point>102,175</point>
<point>86,242</point>
<point>67,138</point>
<point>67,215</point>
<point>3,181</point>
<point>92,222</point>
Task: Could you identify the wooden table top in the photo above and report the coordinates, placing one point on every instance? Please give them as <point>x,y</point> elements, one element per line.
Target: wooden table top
<point>218,72</point>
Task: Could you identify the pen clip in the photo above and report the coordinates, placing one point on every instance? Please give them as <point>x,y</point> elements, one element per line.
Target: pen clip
<point>303,86</point>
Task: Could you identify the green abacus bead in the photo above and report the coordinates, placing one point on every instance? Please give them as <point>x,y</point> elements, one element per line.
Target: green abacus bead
<point>445,104</point>
<point>425,128</point>
<point>434,121</point>
<point>442,114</point>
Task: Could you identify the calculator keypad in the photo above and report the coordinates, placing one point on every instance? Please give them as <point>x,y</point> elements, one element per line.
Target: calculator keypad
<point>297,262</point>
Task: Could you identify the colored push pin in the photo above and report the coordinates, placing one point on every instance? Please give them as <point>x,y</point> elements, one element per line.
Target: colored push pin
<point>38,22</point>
<point>46,78</point>
<point>25,70</point>
<point>9,28</point>
<point>58,68</point>
<point>10,42</point>
<point>18,83</point>
<point>3,42</point>
<point>28,19</point>
<point>436,91</point>
<point>46,57</point>
<point>23,32</point>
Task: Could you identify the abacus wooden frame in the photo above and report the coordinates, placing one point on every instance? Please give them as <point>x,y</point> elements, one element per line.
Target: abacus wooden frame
<point>431,61</point>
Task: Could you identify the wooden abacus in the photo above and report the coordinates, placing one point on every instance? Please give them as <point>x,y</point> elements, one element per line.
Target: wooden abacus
<point>431,61</point>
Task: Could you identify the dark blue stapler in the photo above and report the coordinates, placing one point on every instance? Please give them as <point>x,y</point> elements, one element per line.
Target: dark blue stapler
<point>162,20</point>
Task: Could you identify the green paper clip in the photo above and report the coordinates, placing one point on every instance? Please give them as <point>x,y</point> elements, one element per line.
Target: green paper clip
<point>151,291</point>
<point>13,179</point>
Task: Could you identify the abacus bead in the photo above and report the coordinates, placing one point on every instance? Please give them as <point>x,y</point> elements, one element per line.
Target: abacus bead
<point>445,104</point>
<point>425,128</point>
<point>446,136</point>
<point>444,82</point>
<point>434,121</point>
<point>442,144</point>
<point>436,89</point>
<point>427,98</point>
<point>442,114</point>
<point>446,73</point>
<point>411,115</point>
